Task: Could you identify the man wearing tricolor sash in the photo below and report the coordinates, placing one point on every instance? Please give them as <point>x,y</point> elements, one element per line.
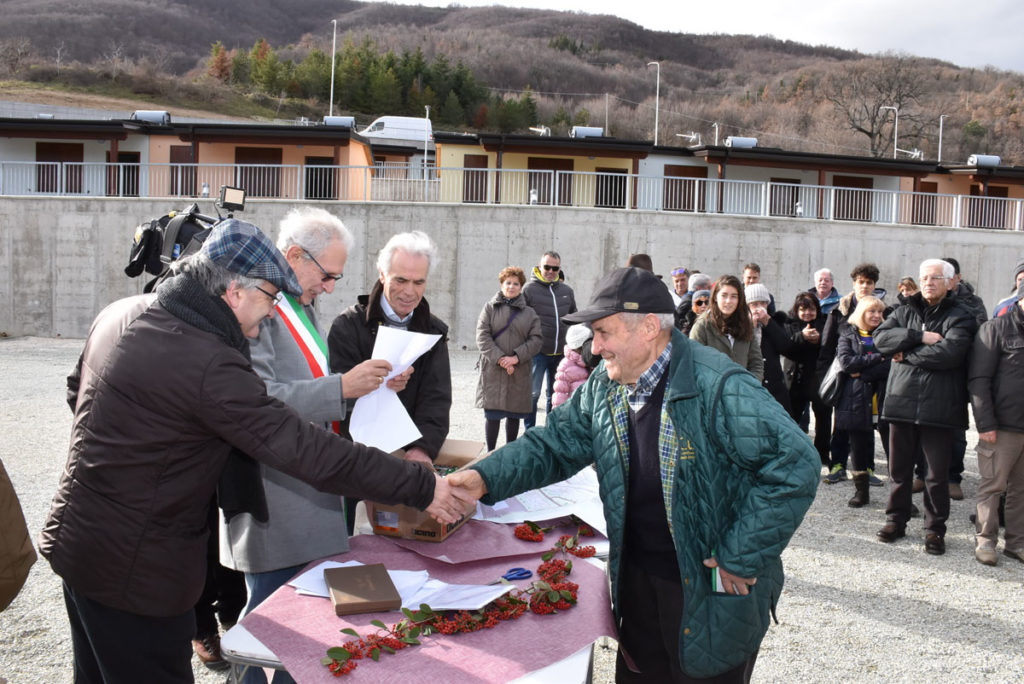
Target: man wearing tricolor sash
<point>291,356</point>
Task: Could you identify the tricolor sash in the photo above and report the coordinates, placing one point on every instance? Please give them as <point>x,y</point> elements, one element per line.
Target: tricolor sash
<point>307,337</point>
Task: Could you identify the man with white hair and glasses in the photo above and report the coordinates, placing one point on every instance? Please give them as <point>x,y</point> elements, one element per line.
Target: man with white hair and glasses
<point>928,339</point>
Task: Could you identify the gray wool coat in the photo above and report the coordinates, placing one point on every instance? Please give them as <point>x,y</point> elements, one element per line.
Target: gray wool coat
<point>496,389</point>
<point>304,524</point>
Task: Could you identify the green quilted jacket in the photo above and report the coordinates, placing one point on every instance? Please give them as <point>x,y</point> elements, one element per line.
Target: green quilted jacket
<point>744,473</point>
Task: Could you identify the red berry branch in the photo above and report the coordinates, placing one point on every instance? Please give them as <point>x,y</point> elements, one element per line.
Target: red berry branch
<point>549,594</point>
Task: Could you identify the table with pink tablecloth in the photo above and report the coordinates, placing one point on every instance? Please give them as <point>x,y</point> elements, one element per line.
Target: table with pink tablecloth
<point>300,629</point>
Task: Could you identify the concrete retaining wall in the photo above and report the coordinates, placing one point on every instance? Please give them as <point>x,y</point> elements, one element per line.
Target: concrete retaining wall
<point>62,260</point>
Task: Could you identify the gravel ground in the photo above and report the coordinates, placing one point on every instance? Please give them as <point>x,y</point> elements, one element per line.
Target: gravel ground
<point>847,597</point>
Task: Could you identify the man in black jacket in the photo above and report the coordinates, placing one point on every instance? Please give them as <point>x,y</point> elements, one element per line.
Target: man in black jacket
<point>551,298</point>
<point>928,339</point>
<point>396,300</point>
<point>996,382</point>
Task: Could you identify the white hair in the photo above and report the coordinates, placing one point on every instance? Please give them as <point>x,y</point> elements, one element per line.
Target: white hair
<point>312,229</point>
<point>416,243</point>
<point>700,279</point>
<point>947,268</point>
<point>632,319</point>
<point>820,271</point>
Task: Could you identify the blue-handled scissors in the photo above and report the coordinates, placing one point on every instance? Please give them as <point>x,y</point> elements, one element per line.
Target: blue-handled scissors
<point>515,574</point>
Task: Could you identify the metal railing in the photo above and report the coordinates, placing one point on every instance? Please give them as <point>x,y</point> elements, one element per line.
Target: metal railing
<point>400,182</point>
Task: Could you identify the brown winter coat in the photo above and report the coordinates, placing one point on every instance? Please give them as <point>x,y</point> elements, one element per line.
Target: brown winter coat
<point>16,552</point>
<point>496,389</point>
<point>157,409</point>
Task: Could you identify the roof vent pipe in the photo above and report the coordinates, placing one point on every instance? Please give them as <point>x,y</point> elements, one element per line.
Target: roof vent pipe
<point>987,161</point>
<point>740,143</point>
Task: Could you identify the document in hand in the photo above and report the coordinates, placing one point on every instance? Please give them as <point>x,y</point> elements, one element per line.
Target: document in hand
<point>379,419</point>
<point>362,589</point>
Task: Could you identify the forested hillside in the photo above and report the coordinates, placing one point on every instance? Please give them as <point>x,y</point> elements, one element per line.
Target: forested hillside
<point>507,69</point>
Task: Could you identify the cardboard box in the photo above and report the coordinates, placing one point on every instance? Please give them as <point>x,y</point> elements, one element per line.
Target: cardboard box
<point>409,523</point>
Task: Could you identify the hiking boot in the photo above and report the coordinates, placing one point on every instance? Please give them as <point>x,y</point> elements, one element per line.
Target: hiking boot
<point>986,555</point>
<point>872,480</point>
<point>891,532</point>
<point>836,475</point>
<point>934,544</point>
<point>208,650</point>
<point>956,493</point>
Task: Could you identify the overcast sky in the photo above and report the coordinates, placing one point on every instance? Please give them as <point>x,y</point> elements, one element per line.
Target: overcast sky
<point>974,34</point>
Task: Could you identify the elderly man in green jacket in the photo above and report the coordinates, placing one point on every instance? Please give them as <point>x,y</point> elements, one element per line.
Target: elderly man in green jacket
<point>703,477</point>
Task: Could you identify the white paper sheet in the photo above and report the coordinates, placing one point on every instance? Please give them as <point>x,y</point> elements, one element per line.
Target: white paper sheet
<point>379,419</point>
<point>578,496</point>
<point>414,586</point>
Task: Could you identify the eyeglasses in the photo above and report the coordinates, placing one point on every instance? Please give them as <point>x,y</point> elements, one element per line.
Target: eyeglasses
<point>327,276</point>
<point>556,269</point>
<point>276,298</point>
<point>701,302</point>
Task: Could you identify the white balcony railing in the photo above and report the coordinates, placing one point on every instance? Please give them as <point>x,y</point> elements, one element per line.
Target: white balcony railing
<point>399,182</point>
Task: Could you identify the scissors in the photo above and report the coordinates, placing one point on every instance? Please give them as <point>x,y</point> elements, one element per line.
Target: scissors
<point>514,574</point>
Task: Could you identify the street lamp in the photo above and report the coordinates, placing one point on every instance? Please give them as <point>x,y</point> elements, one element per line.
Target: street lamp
<point>895,129</point>
<point>941,117</point>
<point>657,99</point>
<point>334,45</point>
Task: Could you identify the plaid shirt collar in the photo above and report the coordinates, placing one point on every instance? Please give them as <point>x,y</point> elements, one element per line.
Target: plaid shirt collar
<point>638,394</point>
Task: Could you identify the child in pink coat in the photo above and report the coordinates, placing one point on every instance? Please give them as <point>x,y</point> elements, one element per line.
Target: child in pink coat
<point>572,370</point>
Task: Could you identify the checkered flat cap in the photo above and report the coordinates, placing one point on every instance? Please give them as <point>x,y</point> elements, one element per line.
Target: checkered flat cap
<point>242,248</point>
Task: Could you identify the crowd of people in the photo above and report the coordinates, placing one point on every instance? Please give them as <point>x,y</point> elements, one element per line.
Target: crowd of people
<point>692,399</point>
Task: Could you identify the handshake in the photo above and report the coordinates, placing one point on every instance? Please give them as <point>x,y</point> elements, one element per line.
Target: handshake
<point>455,495</point>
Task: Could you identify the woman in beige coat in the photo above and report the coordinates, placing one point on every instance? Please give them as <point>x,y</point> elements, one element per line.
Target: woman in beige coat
<point>508,335</point>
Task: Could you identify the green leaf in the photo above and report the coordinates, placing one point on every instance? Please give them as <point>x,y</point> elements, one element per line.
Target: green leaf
<point>566,594</point>
<point>542,586</point>
<point>350,632</point>
<point>409,614</point>
<point>547,556</point>
<point>389,649</point>
<point>426,610</point>
<point>326,661</point>
<point>568,567</point>
<point>553,596</point>
<point>414,632</point>
<point>378,623</point>
<point>411,641</point>
<point>375,653</point>
<point>338,653</point>
<point>532,525</point>
<point>570,542</point>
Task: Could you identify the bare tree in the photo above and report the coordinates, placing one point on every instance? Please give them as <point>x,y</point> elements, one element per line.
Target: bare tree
<point>862,88</point>
<point>14,52</point>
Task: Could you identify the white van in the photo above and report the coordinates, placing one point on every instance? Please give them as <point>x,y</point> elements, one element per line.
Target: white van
<point>400,128</point>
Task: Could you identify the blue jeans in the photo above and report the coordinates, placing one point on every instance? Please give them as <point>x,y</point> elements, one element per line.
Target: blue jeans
<point>261,585</point>
<point>543,364</point>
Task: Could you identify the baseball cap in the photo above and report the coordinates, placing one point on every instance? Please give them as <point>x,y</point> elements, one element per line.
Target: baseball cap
<point>625,290</point>
<point>242,248</point>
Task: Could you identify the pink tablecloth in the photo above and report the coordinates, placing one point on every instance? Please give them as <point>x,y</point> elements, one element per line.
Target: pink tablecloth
<point>299,629</point>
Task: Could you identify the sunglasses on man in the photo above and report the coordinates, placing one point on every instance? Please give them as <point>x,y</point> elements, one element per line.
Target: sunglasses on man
<point>553,269</point>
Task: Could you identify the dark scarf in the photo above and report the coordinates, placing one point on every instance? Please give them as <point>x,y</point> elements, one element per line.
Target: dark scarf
<point>240,488</point>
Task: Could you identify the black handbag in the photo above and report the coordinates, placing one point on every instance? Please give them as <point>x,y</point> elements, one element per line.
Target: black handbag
<point>832,384</point>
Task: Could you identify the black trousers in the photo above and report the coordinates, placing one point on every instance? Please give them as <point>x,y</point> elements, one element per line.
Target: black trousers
<point>905,442</point>
<point>224,593</point>
<point>652,611</point>
<point>115,647</point>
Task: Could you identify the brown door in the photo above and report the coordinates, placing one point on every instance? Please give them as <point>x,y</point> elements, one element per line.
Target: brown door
<point>925,208</point>
<point>321,183</point>
<point>259,170</point>
<point>983,212</point>
<point>123,179</point>
<point>610,189</point>
<point>63,163</point>
<point>783,196</point>
<point>183,171</point>
<point>474,183</point>
<point>682,188</point>
<point>853,204</point>
<point>540,180</point>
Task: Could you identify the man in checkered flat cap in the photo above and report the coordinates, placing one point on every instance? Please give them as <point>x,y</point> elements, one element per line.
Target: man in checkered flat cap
<point>165,400</point>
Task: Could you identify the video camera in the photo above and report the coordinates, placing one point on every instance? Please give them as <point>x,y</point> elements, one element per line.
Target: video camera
<point>162,241</point>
